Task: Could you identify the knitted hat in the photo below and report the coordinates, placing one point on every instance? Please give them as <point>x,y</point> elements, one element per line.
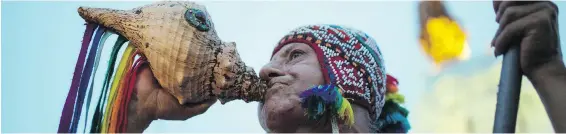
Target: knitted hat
<point>351,62</point>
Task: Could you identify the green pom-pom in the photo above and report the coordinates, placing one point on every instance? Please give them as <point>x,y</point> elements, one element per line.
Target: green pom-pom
<point>395,97</point>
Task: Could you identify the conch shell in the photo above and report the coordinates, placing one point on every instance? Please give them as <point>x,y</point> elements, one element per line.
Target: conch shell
<point>185,54</point>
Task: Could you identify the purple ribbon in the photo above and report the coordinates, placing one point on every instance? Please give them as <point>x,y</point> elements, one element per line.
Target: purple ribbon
<point>66,115</point>
<point>85,79</point>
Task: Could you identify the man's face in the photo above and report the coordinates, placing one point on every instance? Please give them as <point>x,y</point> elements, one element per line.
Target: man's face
<point>292,70</point>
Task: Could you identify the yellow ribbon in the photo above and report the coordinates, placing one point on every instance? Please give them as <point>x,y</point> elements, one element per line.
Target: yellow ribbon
<point>124,64</point>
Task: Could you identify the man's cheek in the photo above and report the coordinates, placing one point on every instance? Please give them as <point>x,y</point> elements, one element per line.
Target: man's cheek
<point>309,78</point>
<point>280,105</point>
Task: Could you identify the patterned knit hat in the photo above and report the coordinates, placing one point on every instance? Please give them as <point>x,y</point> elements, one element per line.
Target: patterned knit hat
<point>351,62</point>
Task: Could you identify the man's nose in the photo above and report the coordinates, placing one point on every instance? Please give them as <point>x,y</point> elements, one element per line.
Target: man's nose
<point>269,72</point>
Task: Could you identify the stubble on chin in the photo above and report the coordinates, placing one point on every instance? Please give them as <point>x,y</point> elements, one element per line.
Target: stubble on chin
<point>282,109</point>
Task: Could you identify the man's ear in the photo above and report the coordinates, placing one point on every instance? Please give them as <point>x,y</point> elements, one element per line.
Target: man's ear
<point>261,117</point>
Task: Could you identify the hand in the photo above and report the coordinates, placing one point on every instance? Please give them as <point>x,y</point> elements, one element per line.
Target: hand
<point>533,25</point>
<point>157,103</point>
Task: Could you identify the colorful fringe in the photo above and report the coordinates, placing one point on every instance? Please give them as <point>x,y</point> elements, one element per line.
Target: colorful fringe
<point>327,99</point>
<point>393,118</point>
<point>111,111</point>
<point>118,92</point>
<point>85,79</point>
<point>96,61</point>
<point>67,114</point>
<point>97,119</point>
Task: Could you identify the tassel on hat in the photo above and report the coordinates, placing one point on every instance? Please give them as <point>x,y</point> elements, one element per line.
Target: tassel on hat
<point>327,99</point>
<point>393,118</point>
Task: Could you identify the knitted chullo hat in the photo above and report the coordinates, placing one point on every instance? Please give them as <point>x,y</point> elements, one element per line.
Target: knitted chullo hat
<point>353,70</point>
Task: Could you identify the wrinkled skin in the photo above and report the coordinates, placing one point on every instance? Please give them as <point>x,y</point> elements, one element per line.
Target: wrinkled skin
<point>292,70</point>
<point>534,27</point>
<point>166,106</point>
<point>152,102</point>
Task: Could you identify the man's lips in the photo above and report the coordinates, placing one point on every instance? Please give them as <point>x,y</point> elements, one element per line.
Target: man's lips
<point>270,84</point>
<point>276,86</point>
<point>273,88</point>
<point>285,79</point>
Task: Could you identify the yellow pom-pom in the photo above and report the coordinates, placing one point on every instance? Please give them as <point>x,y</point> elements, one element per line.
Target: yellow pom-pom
<point>346,112</point>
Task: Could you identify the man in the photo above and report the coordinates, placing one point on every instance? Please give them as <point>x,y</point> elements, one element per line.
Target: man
<point>297,64</point>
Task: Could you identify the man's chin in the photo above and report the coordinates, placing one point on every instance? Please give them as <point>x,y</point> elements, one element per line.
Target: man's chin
<point>282,114</point>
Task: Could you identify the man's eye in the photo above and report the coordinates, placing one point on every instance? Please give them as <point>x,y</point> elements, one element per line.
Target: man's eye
<point>295,54</point>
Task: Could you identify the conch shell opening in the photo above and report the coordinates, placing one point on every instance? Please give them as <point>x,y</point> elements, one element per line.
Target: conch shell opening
<point>186,55</point>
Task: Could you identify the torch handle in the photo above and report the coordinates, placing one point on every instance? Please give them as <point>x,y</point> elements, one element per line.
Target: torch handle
<point>509,93</point>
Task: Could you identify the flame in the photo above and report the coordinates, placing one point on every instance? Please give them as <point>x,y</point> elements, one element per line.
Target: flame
<point>446,41</point>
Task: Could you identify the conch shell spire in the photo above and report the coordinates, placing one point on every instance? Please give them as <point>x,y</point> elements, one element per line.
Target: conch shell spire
<point>117,20</point>
<point>186,55</point>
